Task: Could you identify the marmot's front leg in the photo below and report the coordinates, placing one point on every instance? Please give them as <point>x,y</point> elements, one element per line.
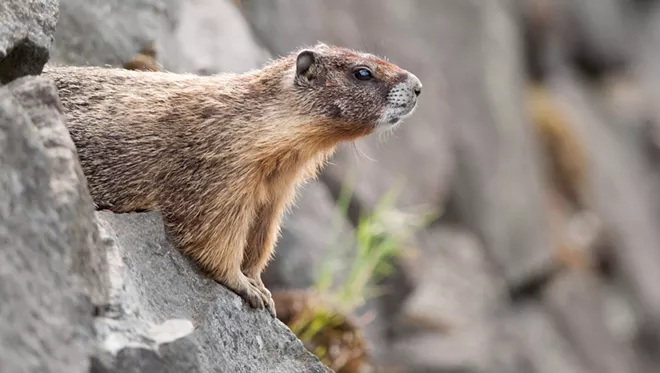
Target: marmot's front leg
<point>260,245</point>
<point>215,238</point>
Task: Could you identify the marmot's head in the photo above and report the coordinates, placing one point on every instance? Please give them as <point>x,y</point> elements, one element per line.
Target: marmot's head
<point>353,92</point>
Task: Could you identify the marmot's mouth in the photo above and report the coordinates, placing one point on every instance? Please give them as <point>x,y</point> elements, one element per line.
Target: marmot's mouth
<point>395,115</point>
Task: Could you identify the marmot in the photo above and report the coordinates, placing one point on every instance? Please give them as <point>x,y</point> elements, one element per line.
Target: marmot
<point>221,156</point>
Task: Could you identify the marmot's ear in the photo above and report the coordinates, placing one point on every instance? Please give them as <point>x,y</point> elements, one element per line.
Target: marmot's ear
<point>321,45</point>
<point>305,64</point>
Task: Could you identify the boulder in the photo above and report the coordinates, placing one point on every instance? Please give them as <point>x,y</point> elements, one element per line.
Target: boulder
<point>623,195</point>
<point>202,37</point>
<point>165,315</point>
<point>51,272</point>
<point>26,35</point>
<point>451,309</point>
<point>597,37</point>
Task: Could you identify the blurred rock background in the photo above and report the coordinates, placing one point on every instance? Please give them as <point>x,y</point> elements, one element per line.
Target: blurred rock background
<point>537,139</point>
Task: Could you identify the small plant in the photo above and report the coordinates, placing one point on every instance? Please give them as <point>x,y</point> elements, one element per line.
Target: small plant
<point>380,237</point>
<point>325,325</point>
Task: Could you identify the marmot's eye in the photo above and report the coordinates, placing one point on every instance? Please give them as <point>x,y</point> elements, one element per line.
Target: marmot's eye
<point>362,74</point>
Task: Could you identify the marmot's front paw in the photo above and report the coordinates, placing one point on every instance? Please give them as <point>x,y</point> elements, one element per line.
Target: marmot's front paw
<point>252,291</point>
<point>247,289</point>
<point>266,296</point>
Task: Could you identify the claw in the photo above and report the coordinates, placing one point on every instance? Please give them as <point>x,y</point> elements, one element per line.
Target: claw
<point>266,296</point>
<point>249,291</point>
<point>270,307</point>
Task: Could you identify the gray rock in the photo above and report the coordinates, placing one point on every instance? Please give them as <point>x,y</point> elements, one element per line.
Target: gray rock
<point>48,237</point>
<point>165,315</point>
<point>211,36</point>
<point>498,188</point>
<point>577,301</point>
<point>454,313</point>
<point>623,193</point>
<point>456,283</point>
<point>202,37</point>
<point>485,347</point>
<point>26,35</point>
<point>98,32</point>
<point>543,341</point>
<point>599,35</point>
<point>69,186</point>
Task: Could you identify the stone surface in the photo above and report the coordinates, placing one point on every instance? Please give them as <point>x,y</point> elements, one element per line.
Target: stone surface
<point>201,36</point>
<point>484,347</point>
<point>457,285</point>
<point>26,35</point>
<point>598,35</point>
<point>543,342</point>
<point>577,302</point>
<point>623,192</point>
<point>48,239</point>
<point>165,316</point>
<point>456,310</point>
<point>68,184</point>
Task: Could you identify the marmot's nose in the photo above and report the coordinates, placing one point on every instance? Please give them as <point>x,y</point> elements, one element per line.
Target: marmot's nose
<point>416,84</point>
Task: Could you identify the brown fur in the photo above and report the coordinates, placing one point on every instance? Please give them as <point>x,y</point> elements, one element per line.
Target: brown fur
<point>221,156</point>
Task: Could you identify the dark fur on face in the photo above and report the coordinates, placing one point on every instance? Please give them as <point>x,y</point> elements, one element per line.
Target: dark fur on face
<point>222,156</point>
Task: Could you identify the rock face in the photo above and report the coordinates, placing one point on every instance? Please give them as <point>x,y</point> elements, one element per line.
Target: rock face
<point>165,316</point>
<point>50,268</point>
<point>26,34</point>
<point>202,37</point>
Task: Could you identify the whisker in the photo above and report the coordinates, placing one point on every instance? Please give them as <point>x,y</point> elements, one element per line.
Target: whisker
<point>359,151</point>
